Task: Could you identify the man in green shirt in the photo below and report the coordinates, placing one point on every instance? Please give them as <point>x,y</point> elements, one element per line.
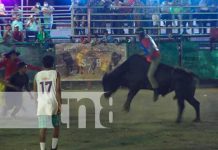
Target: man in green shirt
<point>42,36</point>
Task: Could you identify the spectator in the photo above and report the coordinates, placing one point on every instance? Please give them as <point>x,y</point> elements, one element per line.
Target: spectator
<point>17,35</point>
<point>166,16</point>
<point>106,38</point>
<point>95,40</point>
<point>176,11</point>
<point>83,25</point>
<point>43,38</point>
<point>84,40</point>
<point>17,22</point>
<point>186,16</point>
<point>16,11</point>
<point>2,16</point>
<point>155,11</point>
<point>47,11</point>
<point>7,37</point>
<point>213,15</point>
<point>128,9</point>
<point>203,15</point>
<point>106,9</point>
<point>139,11</point>
<point>31,28</point>
<point>116,5</point>
<point>76,18</point>
<point>37,9</point>
<point>42,35</point>
<point>94,3</point>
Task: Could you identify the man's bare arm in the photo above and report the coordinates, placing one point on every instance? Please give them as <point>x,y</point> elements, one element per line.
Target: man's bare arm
<point>58,92</point>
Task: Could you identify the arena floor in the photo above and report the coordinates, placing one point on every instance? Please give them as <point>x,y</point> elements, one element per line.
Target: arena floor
<point>148,126</point>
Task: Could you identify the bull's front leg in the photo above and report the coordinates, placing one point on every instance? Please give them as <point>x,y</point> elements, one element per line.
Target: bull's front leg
<point>130,96</point>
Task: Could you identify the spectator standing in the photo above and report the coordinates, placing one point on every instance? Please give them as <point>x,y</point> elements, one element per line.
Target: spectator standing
<point>129,11</point>
<point>94,3</point>
<point>214,12</point>
<point>138,13</point>
<point>37,9</point>
<point>155,14</point>
<point>186,16</point>
<point>7,37</point>
<point>166,16</point>
<point>75,18</point>
<point>31,27</point>
<point>17,22</point>
<point>83,25</point>
<point>2,16</point>
<point>203,15</point>
<point>17,35</point>
<point>47,11</point>
<point>116,5</point>
<point>16,11</point>
<point>176,11</point>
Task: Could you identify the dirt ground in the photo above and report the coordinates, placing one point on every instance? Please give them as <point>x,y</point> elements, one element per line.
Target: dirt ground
<point>148,126</point>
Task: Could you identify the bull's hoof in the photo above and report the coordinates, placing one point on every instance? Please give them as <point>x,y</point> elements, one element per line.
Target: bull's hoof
<point>197,120</point>
<point>107,95</point>
<point>178,121</point>
<point>126,107</point>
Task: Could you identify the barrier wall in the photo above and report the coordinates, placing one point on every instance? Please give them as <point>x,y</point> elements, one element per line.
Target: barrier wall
<point>77,61</point>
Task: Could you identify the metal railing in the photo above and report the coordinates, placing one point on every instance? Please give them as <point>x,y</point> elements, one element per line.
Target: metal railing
<point>122,21</point>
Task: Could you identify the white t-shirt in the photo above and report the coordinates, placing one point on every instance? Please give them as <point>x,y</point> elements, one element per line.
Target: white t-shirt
<point>32,26</point>
<point>2,9</point>
<point>17,23</point>
<point>46,88</point>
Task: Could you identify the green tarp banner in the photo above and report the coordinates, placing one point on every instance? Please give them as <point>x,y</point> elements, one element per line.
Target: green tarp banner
<point>196,57</point>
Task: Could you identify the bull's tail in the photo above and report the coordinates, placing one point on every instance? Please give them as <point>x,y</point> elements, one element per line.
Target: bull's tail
<point>195,81</point>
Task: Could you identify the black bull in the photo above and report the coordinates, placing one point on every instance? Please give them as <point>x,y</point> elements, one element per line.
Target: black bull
<point>133,75</point>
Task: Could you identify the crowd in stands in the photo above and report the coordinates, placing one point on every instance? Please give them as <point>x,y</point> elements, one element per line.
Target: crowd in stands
<point>118,17</point>
<point>147,13</point>
<point>17,26</point>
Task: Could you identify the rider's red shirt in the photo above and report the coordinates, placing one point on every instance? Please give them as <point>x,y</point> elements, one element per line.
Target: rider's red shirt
<point>148,51</point>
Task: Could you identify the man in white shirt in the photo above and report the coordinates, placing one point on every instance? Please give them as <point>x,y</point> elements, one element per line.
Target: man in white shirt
<point>48,88</point>
<point>2,9</point>
<point>17,22</point>
<point>31,28</point>
<point>2,15</point>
